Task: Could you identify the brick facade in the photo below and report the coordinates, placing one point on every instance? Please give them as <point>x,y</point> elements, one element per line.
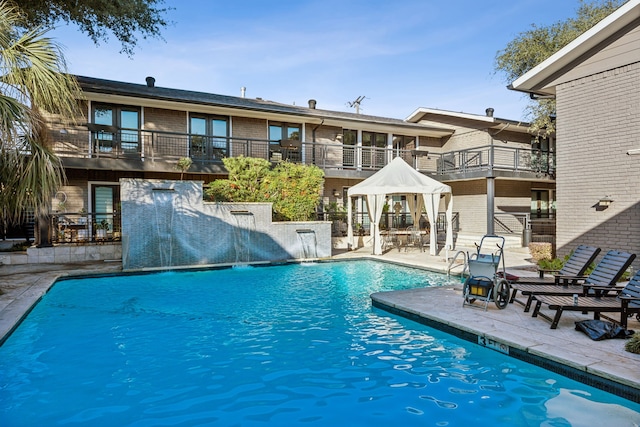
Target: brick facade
<point>598,122</point>
<point>246,127</point>
<point>161,119</point>
<point>470,200</point>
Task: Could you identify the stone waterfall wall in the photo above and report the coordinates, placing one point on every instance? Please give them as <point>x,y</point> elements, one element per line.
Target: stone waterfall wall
<point>166,224</point>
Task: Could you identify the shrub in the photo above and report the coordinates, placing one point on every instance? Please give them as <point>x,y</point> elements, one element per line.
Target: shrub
<point>633,345</point>
<point>541,251</point>
<point>293,189</point>
<point>17,247</point>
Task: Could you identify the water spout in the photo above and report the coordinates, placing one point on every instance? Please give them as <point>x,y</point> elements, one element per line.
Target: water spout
<point>163,202</point>
<point>245,226</point>
<point>308,243</point>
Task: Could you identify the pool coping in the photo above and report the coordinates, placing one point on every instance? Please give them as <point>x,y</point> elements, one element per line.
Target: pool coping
<point>596,367</point>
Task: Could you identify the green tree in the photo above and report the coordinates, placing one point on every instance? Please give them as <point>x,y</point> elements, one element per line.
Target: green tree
<point>533,46</point>
<point>245,182</point>
<point>123,18</point>
<point>33,82</point>
<point>293,189</point>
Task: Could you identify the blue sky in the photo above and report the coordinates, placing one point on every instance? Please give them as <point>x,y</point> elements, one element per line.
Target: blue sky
<point>400,55</point>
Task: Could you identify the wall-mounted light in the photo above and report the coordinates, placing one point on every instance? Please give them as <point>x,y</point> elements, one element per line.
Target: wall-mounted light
<point>337,137</point>
<point>604,202</point>
<point>336,193</point>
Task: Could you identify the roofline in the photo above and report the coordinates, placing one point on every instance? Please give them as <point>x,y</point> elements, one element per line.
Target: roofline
<point>603,33</point>
<point>141,91</point>
<point>416,115</point>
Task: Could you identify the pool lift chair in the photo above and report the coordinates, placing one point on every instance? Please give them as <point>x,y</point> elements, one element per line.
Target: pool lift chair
<point>486,282</point>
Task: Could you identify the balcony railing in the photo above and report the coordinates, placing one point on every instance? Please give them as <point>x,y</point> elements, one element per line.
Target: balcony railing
<point>496,158</point>
<point>85,227</point>
<point>147,145</point>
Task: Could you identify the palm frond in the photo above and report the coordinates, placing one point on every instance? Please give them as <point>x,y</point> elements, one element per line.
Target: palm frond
<point>33,78</point>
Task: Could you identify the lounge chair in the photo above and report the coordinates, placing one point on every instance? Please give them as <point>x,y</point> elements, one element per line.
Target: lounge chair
<point>626,302</point>
<point>605,275</point>
<point>572,270</point>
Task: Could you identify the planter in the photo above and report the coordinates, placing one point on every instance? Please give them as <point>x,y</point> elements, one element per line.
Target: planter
<point>83,235</point>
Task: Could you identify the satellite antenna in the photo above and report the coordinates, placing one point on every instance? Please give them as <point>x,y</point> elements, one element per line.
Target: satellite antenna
<point>356,104</point>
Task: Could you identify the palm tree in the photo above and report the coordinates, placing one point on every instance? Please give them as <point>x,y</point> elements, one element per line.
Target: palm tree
<point>33,82</point>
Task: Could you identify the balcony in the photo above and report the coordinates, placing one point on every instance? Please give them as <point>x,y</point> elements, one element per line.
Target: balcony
<point>137,148</point>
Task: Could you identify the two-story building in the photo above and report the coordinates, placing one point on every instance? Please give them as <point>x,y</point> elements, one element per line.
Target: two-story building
<point>499,174</point>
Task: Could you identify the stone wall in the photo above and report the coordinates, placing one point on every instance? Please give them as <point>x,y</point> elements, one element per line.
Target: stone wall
<point>64,254</point>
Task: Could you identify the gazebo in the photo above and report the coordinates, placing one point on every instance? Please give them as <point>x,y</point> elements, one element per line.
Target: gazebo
<point>398,178</point>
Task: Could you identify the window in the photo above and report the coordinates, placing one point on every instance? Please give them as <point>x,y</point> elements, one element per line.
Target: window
<point>105,202</point>
<point>402,146</point>
<point>283,138</point>
<point>374,145</point>
<point>542,155</point>
<point>116,129</point>
<point>542,204</point>
<point>208,137</point>
<point>349,141</point>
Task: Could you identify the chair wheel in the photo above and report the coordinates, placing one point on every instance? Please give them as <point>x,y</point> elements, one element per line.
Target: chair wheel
<point>503,291</point>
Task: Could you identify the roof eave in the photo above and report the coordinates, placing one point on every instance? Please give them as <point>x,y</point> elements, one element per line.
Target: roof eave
<point>490,121</point>
<point>538,79</point>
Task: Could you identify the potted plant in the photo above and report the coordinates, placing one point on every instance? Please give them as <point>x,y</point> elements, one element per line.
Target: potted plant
<point>183,165</point>
<point>101,229</point>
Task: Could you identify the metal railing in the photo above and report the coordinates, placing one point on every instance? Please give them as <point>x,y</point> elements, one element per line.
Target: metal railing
<point>511,223</point>
<point>147,145</point>
<point>82,228</point>
<point>496,158</point>
<point>521,224</point>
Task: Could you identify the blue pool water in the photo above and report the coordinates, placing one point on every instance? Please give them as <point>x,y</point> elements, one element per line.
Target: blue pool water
<point>278,346</point>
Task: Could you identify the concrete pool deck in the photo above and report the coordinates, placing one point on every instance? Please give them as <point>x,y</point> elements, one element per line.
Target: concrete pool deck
<point>604,364</point>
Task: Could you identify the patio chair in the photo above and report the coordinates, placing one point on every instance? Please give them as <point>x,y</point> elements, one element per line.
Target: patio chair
<point>391,239</point>
<point>414,238</point>
<point>573,269</point>
<point>605,275</point>
<point>626,302</point>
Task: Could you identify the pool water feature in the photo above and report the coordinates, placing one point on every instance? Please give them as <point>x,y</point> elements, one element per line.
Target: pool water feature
<point>277,345</point>
<point>308,244</point>
<point>245,226</point>
<point>164,205</point>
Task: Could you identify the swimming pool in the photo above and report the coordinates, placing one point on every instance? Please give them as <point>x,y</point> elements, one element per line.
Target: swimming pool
<point>276,345</point>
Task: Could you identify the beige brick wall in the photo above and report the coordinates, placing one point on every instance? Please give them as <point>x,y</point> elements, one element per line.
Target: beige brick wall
<point>245,127</point>
<point>164,120</point>
<point>463,140</point>
<point>470,200</point>
<point>476,138</point>
<point>598,121</point>
<point>76,192</point>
